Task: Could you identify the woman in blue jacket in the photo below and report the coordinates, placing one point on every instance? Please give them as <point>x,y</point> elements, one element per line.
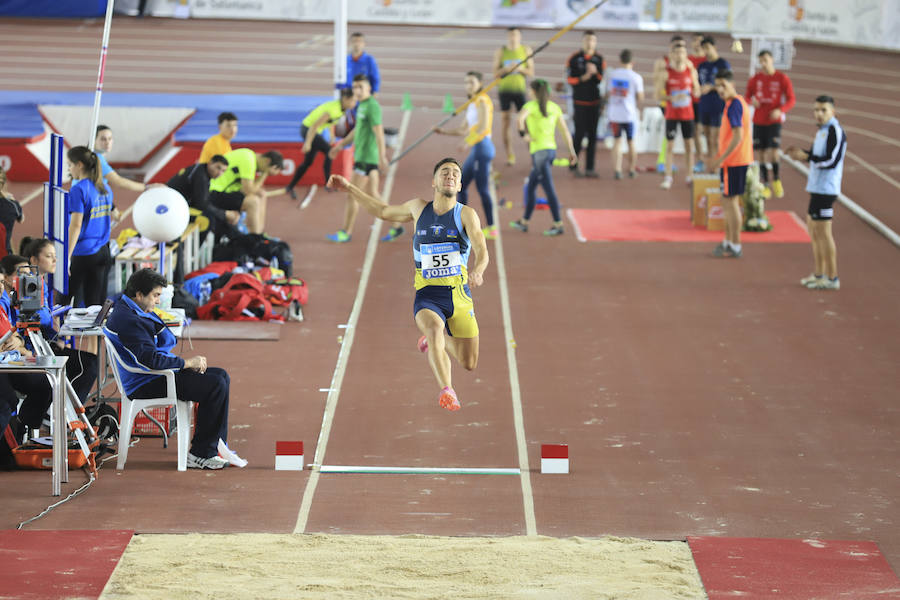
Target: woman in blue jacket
<point>90,207</point>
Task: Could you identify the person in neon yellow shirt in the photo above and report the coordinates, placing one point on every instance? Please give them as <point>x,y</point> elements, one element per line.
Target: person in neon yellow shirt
<point>512,87</point>
<point>476,130</point>
<point>538,123</point>
<point>318,120</point>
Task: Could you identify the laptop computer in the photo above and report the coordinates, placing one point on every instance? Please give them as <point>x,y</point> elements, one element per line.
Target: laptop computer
<point>98,320</point>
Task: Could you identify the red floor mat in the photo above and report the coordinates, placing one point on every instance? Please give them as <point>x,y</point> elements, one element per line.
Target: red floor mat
<point>792,569</point>
<point>673,226</point>
<point>46,565</point>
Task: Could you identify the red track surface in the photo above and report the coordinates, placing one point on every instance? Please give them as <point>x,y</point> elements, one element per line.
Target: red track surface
<point>697,397</point>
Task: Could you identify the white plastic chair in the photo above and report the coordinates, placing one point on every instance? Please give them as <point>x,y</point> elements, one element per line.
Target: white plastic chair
<point>132,407</point>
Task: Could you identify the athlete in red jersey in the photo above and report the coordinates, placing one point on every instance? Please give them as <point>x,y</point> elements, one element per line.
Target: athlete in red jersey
<point>772,94</point>
<point>681,86</point>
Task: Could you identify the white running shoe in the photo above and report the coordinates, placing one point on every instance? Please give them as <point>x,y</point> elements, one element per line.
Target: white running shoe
<point>811,278</point>
<point>825,284</point>
<point>666,183</point>
<point>213,462</point>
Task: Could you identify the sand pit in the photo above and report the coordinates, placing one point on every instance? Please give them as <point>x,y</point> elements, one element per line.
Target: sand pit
<point>415,566</point>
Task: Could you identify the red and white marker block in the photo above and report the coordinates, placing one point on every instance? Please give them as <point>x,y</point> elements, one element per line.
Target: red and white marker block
<point>554,458</point>
<point>288,456</point>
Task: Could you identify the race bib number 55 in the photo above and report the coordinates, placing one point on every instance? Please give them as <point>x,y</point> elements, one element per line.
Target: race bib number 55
<point>440,260</point>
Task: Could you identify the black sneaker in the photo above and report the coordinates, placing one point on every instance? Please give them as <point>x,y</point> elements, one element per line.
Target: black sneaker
<point>523,227</point>
<point>592,174</point>
<point>290,192</point>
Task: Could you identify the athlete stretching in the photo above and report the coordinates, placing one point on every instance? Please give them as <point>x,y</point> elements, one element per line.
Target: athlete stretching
<point>445,232</point>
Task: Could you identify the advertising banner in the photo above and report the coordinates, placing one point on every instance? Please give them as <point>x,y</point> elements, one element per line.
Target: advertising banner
<point>707,16</point>
<point>615,14</point>
<point>422,12</point>
<point>531,13</point>
<point>272,10</point>
<point>870,23</point>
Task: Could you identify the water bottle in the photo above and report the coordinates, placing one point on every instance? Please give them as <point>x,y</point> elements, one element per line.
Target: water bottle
<point>165,299</point>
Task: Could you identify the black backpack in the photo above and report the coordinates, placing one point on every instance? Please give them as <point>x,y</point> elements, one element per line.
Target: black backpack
<point>253,247</point>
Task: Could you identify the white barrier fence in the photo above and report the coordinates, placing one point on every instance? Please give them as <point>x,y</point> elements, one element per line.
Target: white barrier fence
<point>869,23</point>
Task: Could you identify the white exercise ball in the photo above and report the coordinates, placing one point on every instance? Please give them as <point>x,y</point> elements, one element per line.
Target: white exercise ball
<point>161,214</point>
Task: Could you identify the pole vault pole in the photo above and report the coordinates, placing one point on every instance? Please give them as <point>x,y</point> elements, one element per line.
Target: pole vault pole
<point>496,80</point>
<point>95,115</point>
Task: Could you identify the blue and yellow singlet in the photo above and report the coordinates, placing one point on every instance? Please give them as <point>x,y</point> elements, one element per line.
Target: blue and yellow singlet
<point>441,248</point>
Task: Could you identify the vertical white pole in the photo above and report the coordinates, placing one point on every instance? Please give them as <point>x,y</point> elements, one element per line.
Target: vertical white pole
<point>95,115</point>
<point>340,45</point>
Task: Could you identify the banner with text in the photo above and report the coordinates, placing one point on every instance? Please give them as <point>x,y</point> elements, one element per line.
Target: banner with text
<point>614,14</point>
<point>418,12</point>
<point>872,23</point>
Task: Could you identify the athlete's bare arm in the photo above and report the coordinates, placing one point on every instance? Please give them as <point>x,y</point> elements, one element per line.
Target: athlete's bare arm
<point>659,79</point>
<point>499,69</point>
<point>472,225</point>
<point>346,141</point>
<point>527,69</point>
<point>378,208</point>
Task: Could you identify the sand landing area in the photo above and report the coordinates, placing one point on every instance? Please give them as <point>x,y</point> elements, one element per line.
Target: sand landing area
<point>223,566</point>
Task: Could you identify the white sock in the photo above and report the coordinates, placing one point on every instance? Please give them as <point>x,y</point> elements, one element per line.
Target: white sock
<point>736,247</point>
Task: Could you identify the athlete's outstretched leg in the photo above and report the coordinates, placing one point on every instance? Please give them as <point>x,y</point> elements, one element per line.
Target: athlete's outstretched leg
<point>432,326</point>
<point>464,350</point>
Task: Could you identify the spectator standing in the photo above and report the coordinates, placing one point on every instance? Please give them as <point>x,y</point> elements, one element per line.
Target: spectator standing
<point>585,75</point>
<point>511,89</point>
<point>772,95</point>
<point>10,212</point>
<point>826,169</point>
<point>735,155</point>
<point>624,88</point>
<point>711,104</point>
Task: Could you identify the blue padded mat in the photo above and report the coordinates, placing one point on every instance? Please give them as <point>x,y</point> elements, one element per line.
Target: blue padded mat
<point>260,118</point>
<point>20,121</point>
<point>219,102</point>
<point>253,126</point>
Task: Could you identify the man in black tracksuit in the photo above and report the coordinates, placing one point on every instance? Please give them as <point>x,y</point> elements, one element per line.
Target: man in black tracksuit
<point>193,183</point>
<point>585,71</point>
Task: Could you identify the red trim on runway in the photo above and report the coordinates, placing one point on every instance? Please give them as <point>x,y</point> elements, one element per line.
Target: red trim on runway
<point>675,226</point>
<point>792,569</point>
<point>38,565</point>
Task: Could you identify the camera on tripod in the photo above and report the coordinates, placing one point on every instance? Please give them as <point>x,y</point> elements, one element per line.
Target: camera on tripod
<point>28,296</point>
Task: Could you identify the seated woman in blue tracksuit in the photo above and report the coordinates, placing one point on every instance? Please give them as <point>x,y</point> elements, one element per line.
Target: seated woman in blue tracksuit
<point>143,341</point>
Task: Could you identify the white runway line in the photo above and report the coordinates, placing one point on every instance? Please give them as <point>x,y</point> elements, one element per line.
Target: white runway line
<point>518,418</point>
<point>340,368</point>
<point>32,195</point>
<point>578,235</point>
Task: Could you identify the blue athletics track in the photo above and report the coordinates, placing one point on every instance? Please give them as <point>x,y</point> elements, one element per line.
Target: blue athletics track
<point>699,398</point>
